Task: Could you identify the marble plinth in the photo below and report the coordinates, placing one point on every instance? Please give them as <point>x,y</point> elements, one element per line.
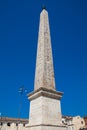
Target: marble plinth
<point>45,110</point>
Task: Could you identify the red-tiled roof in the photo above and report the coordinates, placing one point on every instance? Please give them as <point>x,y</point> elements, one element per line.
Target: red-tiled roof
<point>9,119</point>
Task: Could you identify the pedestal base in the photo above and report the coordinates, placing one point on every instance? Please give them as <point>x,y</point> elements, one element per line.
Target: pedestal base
<point>47,127</point>
<point>45,110</point>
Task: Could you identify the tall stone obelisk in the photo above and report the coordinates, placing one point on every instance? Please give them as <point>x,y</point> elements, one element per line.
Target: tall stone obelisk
<point>45,109</point>
<point>44,76</point>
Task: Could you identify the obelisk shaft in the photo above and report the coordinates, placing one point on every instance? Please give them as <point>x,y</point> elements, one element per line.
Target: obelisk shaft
<point>44,75</point>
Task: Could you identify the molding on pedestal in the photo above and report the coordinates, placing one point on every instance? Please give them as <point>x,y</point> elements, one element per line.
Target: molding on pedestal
<point>45,125</point>
<point>46,93</point>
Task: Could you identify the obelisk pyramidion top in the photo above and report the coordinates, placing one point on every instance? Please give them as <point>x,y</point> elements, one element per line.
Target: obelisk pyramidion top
<point>44,75</point>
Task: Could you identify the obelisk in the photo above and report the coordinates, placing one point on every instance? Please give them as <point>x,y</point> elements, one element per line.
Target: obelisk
<point>44,76</point>
<point>45,108</point>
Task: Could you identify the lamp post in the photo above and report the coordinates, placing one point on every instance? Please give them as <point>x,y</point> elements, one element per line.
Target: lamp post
<point>22,90</point>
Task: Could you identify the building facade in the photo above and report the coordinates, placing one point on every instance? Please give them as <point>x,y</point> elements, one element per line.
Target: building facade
<point>73,123</point>
<point>7,123</point>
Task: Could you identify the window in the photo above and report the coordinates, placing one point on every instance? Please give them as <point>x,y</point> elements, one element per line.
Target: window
<point>16,124</point>
<point>8,124</point>
<point>81,122</point>
<point>1,123</point>
<point>24,125</point>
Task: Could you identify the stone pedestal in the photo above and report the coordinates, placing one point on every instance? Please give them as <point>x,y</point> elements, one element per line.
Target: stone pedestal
<point>45,111</point>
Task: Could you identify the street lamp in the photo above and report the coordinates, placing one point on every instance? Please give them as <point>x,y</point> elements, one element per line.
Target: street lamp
<point>21,90</point>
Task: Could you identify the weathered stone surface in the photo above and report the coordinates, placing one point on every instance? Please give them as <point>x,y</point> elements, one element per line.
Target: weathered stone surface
<point>47,128</point>
<point>44,76</point>
<point>44,110</point>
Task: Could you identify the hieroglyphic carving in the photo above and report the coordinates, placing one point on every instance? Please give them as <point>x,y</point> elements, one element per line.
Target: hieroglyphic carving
<point>44,75</point>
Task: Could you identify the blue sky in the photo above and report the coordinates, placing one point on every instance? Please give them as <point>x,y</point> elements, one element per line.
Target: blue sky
<point>19,23</point>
